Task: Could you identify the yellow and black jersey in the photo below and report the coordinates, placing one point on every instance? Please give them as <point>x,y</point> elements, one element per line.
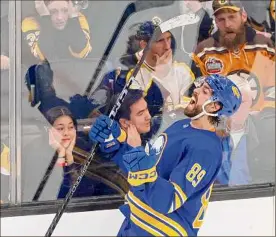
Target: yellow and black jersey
<point>254,61</point>
<point>46,42</point>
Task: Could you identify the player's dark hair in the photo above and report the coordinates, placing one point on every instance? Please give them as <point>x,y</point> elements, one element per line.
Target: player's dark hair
<point>131,98</point>
<point>54,113</point>
<point>215,120</point>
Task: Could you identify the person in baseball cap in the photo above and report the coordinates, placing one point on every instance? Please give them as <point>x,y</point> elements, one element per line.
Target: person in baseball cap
<point>234,5</point>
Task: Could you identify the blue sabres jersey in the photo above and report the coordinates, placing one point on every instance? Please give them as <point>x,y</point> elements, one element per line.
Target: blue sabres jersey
<point>175,203</point>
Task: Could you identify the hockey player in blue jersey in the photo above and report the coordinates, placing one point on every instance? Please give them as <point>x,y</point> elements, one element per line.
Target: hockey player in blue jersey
<point>171,182</point>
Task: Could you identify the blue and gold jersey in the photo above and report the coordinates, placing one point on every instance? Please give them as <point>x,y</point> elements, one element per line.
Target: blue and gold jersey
<point>45,42</point>
<point>175,203</point>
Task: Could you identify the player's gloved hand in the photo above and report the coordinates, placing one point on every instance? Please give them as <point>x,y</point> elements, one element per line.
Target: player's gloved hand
<point>141,165</point>
<point>107,133</point>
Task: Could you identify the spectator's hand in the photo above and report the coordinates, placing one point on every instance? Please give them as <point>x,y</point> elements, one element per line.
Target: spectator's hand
<point>73,11</point>
<point>41,8</point>
<point>166,58</point>
<point>133,137</point>
<point>69,151</point>
<point>55,142</point>
<point>5,62</point>
<point>163,63</point>
<point>193,5</point>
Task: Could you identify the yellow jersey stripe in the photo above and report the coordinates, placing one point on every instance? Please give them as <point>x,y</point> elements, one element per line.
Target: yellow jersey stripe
<point>148,87</point>
<point>146,66</point>
<point>172,207</point>
<point>38,52</point>
<point>180,192</point>
<point>187,68</point>
<point>178,202</point>
<point>144,226</point>
<point>83,53</point>
<point>162,217</point>
<point>129,74</point>
<point>151,220</point>
<point>83,22</point>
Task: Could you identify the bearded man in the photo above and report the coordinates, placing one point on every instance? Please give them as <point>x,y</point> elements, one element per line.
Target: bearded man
<point>248,59</point>
<point>237,51</point>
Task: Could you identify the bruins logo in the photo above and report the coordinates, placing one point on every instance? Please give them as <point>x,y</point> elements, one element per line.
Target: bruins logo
<point>252,80</point>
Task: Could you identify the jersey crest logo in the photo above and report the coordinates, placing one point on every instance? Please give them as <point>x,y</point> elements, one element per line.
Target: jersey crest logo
<point>185,125</point>
<point>236,91</point>
<point>159,144</point>
<point>213,65</point>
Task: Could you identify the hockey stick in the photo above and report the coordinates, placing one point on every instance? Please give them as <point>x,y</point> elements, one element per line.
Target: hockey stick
<point>130,9</point>
<point>163,27</point>
<point>45,177</point>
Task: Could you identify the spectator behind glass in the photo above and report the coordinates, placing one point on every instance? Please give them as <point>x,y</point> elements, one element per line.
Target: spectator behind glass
<point>5,60</point>
<point>244,56</point>
<point>59,140</point>
<point>61,32</point>
<point>132,113</point>
<point>62,138</point>
<point>62,135</point>
<point>162,80</point>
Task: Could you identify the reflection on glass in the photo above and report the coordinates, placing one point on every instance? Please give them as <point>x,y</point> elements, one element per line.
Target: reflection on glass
<point>57,30</point>
<point>5,63</point>
<point>59,63</point>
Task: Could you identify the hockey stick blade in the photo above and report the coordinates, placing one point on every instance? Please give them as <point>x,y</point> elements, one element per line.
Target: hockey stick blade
<point>181,20</point>
<point>173,23</point>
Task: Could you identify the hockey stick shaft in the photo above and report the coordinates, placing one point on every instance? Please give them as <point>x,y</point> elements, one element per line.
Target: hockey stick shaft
<point>93,149</point>
<point>45,177</point>
<point>139,5</point>
<point>128,11</point>
<point>163,27</point>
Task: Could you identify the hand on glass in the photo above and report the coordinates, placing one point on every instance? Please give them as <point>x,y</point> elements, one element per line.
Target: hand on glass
<point>41,8</point>
<point>5,62</point>
<point>73,10</point>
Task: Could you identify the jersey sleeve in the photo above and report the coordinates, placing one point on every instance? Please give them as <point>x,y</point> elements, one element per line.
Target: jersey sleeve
<point>79,47</point>
<point>31,32</point>
<point>195,173</point>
